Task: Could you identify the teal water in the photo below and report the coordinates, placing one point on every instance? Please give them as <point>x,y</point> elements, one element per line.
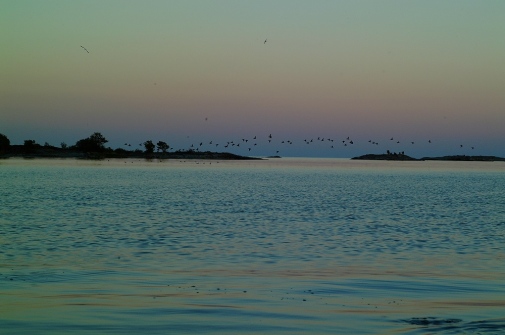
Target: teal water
<point>319,246</point>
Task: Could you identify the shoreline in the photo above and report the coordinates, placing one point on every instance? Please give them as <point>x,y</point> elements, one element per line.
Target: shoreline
<point>48,152</point>
<point>54,152</point>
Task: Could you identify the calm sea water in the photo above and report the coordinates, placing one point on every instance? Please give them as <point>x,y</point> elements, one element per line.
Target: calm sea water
<point>319,246</point>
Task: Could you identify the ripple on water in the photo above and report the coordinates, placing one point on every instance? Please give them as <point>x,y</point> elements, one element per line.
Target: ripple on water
<point>435,325</point>
<point>251,249</point>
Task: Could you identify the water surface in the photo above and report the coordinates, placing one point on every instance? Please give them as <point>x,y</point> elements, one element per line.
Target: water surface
<point>322,246</point>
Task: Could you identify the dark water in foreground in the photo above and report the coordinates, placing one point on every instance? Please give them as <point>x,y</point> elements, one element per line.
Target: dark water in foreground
<point>280,246</point>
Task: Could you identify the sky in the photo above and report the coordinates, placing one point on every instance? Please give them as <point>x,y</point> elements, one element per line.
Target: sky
<point>191,72</point>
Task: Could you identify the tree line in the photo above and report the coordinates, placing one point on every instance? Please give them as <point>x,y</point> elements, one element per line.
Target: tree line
<point>95,143</point>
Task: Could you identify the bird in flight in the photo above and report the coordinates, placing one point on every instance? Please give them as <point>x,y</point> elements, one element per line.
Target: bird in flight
<point>265,41</point>
<point>85,49</point>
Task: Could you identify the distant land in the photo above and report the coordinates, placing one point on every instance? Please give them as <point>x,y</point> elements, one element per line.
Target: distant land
<point>55,152</point>
<point>93,147</point>
<point>39,151</point>
<point>403,157</point>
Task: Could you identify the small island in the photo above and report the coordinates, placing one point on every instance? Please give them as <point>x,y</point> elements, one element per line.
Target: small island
<point>393,156</point>
<point>465,158</point>
<point>387,157</point>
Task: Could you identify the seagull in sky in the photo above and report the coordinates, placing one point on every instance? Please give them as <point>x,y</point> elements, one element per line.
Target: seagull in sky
<point>85,49</point>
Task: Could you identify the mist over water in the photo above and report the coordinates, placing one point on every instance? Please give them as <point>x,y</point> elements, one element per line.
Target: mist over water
<point>276,246</point>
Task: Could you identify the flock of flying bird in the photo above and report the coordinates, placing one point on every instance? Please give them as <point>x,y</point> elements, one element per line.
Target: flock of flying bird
<point>249,144</point>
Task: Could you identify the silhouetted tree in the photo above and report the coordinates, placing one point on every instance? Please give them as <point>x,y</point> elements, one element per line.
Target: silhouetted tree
<point>94,143</point>
<point>149,145</point>
<point>162,146</point>
<point>5,143</point>
<point>29,145</point>
<point>63,145</point>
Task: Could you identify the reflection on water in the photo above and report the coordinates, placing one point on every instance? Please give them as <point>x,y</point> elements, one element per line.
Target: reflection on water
<point>288,245</point>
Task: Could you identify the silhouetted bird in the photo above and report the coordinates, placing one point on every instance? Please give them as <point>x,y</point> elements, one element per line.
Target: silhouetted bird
<point>85,49</point>
<point>265,41</point>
